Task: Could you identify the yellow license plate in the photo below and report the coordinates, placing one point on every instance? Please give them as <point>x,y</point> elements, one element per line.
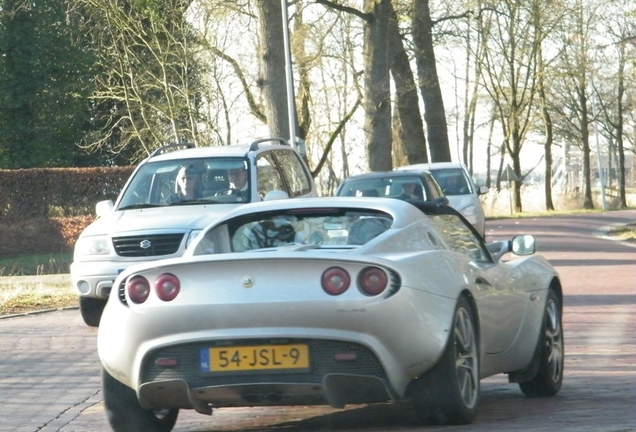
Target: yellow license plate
<point>259,357</point>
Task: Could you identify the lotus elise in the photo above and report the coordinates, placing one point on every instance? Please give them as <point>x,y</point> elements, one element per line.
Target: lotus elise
<point>331,300</point>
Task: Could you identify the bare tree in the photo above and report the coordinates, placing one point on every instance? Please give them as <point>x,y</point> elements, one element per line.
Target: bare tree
<point>147,78</point>
<point>613,99</point>
<point>410,128</point>
<point>434,112</point>
<point>511,45</point>
<point>573,103</point>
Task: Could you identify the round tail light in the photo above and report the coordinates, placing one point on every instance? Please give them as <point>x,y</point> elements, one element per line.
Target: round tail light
<point>167,287</point>
<point>138,289</point>
<point>335,280</point>
<point>372,280</point>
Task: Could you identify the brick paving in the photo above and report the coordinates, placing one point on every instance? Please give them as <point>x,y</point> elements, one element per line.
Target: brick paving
<point>49,371</point>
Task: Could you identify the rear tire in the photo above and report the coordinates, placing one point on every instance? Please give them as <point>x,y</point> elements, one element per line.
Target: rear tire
<point>126,415</point>
<point>449,392</point>
<point>91,310</point>
<point>549,376</point>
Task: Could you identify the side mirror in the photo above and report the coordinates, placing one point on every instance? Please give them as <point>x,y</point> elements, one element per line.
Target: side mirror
<point>441,201</point>
<point>523,245</point>
<point>482,190</point>
<point>103,208</point>
<point>274,195</point>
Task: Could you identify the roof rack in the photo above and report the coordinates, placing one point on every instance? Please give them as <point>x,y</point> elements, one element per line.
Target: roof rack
<point>255,144</point>
<point>166,148</point>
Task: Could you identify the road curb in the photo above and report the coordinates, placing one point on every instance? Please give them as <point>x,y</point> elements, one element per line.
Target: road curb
<point>40,312</point>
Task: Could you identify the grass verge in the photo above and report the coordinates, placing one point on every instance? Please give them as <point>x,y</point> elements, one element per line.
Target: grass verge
<point>38,264</point>
<point>23,294</point>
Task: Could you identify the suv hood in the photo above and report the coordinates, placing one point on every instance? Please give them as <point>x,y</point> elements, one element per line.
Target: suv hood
<point>174,218</point>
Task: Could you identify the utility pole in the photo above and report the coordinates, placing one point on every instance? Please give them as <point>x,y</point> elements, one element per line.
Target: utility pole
<point>291,101</point>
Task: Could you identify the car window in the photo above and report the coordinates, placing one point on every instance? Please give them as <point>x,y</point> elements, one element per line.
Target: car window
<point>155,183</point>
<point>269,177</point>
<point>388,187</point>
<point>459,237</point>
<point>322,228</point>
<point>453,181</point>
<point>296,177</point>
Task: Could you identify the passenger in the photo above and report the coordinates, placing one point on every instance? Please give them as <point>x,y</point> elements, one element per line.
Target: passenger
<point>187,185</point>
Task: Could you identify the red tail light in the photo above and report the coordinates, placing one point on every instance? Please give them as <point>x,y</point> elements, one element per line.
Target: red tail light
<point>138,289</point>
<point>335,280</point>
<point>372,280</point>
<point>167,287</point>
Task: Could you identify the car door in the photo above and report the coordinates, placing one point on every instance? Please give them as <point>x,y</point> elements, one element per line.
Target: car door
<point>500,301</point>
<point>298,179</point>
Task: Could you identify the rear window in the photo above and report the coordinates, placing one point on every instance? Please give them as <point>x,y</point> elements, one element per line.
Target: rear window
<point>453,181</point>
<point>387,187</point>
<point>314,228</point>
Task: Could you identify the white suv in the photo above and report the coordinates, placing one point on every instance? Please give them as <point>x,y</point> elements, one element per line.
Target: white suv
<point>460,189</point>
<point>146,222</point>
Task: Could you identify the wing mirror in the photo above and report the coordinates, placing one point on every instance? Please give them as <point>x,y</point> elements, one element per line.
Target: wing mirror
<point>103,208</point>
<point>523,245</point>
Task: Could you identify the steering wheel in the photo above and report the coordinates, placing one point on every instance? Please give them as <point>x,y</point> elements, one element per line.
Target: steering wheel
<point>226,191</point>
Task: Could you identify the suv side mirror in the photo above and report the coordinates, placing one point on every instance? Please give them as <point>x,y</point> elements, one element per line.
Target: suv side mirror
<point>102,208</point>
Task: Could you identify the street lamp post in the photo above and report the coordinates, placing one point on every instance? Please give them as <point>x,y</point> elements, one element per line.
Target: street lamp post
<point>291,103</point>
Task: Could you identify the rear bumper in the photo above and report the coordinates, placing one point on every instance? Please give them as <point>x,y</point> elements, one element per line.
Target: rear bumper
<point>356,379</point>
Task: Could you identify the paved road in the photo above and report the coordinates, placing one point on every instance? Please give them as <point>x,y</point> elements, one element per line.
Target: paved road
<point>49,373</point>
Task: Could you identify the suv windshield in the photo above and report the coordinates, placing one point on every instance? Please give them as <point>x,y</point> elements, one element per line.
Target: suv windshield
<point>188,181</point>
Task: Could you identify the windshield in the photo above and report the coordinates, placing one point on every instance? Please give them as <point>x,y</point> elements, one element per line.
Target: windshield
<point>188,181</point>
<point>453,181</point>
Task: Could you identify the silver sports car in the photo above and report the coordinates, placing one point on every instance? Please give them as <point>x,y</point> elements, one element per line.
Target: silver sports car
<point>330,301</point>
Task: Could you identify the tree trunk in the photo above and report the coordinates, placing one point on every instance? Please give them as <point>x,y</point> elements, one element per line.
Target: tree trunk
<point>588,202</point>
<point>377,97</point>
<point>434,113</point>
<point>272,61</point>
<point>411,130</point>
<point>548,128</point>
<point>619,129</point>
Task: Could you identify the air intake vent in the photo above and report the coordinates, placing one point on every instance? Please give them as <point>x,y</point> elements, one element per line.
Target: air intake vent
<point>147,246</point>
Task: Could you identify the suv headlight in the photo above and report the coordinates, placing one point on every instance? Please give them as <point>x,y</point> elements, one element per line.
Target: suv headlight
<point>93,245</point>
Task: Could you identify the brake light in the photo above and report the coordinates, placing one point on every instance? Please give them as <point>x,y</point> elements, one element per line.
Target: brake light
<point>372,280</point>
<point>138,289</point>
<point>335,280</point>
<point>167,287</point>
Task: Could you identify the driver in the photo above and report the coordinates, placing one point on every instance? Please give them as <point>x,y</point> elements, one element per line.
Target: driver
<point>238,180</point>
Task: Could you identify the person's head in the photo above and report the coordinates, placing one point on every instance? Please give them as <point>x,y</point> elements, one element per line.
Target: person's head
<point>409,188</point>
<point>237,177</point>
<point>187,182</point>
